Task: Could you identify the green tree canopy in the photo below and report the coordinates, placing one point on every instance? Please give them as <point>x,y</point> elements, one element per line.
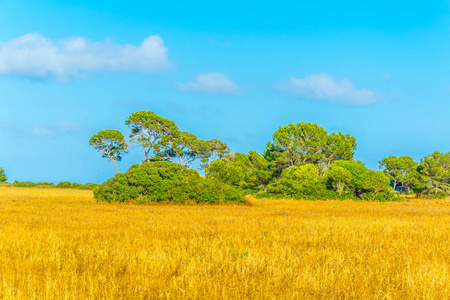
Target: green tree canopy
<point>339,178</point>
<point>339,147</point>
<point>308,143</point>
<point>186,149</point>
<point>375,181</point>
<point>402,172</point>
<point>249,172</point>
<point>357,169</point>
<point>162,181</point>
<point>147,129</point>
<point>298,182</point>
<point>3,177</point>
<point>435,169</point>
<point>216,150</point>
<point>111,144</point>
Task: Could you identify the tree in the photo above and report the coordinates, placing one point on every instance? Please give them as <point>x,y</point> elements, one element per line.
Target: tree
<point>339,178</point>
<point>375,181</point>
<point>339,147</point>
<point>164,181</point>
<point>216,150</point>
<point>435,169</point>
<point>3,177</point>
<point>249,172</point>
<point>402,172</point>
<point>297,144</point>
<point>185,148</point>
<point>111,143</point>
<point>308,143</point>
<point>299,181</point>
<point>147,129</point>
<point>357,169</point>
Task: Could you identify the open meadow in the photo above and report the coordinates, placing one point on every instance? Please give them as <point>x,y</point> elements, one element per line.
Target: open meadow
<point>61,244</point>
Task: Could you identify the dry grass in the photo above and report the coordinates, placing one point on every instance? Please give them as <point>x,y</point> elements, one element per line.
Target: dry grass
<point>61,244</point>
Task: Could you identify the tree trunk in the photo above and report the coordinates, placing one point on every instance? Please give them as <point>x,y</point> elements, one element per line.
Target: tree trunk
<point>146,154</point>
<point>115,165</point>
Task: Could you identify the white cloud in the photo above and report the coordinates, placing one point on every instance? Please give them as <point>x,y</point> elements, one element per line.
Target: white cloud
<point>211,83</point>
<point>63,127</point>
<point>36,56</point>
<point>323,87</point>
<point>42,131</point>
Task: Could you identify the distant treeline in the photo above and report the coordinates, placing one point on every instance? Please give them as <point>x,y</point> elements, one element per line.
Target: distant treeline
<point>302,161</point>
<point>61,185</point>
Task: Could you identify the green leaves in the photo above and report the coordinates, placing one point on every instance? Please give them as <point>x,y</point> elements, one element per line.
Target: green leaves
<point>3,177</point>
<point>402,171</point>
<point>162,137</point>
<point>182,148</point>
<point>249,172</point>
<point>308,143</point>
<point>339,178</point>
<point>162,180</point>
<point>375,181</point>
<point>435,169</point>
<point>111,143</point>
<point>147,128</point>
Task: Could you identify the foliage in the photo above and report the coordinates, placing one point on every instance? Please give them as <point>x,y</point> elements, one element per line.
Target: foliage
<point>357,169</point>
<point>435,170</point>
<point>338,178</point>
<point>308,143</point>
<point>147,129</point>
<point>375,181</point>
<point>376,186</point>
<point>61,185</point>
<point>185,148</point>
<point>111,143</point>
<point>3,177</point>
<point>339,147</point>
<point>162,180</point>
<point>300,182</point>
<point>295,144</point>
<point>249,172</point>
<point>403,173</point>
<point>23,184</point>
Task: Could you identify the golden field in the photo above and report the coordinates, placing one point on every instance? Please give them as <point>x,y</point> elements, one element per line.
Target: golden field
<point>61,244</point>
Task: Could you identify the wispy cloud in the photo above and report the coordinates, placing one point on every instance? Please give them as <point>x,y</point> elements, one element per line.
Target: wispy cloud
<point>323,87</point>
<point>63,127</point>
<point>211,83</point>
<point>40,131</point>
<point>36,56</point>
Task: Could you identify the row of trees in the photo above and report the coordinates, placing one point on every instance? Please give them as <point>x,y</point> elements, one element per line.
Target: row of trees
<point>431,176</point>
<point>303,160</point>
<point>60,185</point>
<point>162,138</point>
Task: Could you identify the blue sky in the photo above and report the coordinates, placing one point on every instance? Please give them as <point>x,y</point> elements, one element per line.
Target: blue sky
<point>235,71</point>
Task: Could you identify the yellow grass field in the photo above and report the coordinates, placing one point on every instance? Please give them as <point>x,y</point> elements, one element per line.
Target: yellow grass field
<point>61,244</point>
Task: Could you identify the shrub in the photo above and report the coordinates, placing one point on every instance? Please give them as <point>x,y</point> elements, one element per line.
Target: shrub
<point>3,177</point>
<point>375,182</point>
<point>248,172</point>
<point>338,178</point>
<point>163,180</point>
<point>300,182</point>
<point>23,184</point>
<point>64,185</point>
